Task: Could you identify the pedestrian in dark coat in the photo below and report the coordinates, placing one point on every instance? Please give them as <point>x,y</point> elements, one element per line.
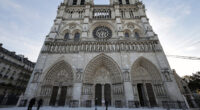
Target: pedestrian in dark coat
<point>106,103</point>
<point>40,102</point>
<point>31,103</point>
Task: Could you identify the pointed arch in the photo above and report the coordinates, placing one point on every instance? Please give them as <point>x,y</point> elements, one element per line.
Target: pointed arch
<point>143,69</point>
<point>59,72</point>
<point>100,61</point>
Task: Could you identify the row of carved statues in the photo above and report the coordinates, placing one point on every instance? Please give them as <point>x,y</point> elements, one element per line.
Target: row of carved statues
<point>58,47</point>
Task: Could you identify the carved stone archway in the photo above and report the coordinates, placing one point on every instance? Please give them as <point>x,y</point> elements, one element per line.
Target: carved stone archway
<point>143,69</point>
<point>57,85</point>
<point>103,63</point>
<point>60,72</point>
<point>104,73</point>
<point>147,82</point>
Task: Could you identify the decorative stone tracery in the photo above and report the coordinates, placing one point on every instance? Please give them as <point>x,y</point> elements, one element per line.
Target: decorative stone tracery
<point>102,61</point>
<point>166,73</point>
<point>60,72</point>
<point>146,80</point>
<point>143,69</point>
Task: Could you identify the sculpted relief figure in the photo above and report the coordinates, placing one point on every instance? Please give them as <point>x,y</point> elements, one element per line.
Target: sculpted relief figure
<point>79,74</point>
<point>166,73</point>
<point>36,75</point>
<point>126,75</point>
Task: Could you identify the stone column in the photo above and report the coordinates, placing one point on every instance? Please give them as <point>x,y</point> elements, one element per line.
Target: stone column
<point>77,92</point>
<point>128,87</point>
<point>103,98</point>
<point>77,86</point>
<point>145,94</point>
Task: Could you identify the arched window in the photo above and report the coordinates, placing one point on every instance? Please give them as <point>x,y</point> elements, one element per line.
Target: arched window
<point>66,37</point>
<point>74,2</point>
<point>82,2</point>
<point>137,35</point>
<point>127,2</point>
<point>77,36</point>
<point>120,2</point>
<point>127,35</point>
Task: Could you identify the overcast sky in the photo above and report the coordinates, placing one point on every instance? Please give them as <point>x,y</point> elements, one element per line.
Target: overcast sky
<point>25,23</point>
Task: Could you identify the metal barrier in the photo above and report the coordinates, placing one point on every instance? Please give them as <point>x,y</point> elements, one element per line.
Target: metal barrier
<point>73,103</point>
<point>174,104</point>
<point>118,104</point>
<point>133,104</point>
<point>87,103</point>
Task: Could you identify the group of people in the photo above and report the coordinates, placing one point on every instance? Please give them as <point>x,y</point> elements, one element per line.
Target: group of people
<point>106,104</point>
<point>32,103</point>
<point>40,102</point>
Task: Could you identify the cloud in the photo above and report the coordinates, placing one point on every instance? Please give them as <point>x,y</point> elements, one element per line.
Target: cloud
<point>6,4</point>
<point>169,20</point>
<point>21,44</point>
<point>21,29</point>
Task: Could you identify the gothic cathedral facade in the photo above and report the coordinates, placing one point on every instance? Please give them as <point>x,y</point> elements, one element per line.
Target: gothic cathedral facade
<point>98,53</point>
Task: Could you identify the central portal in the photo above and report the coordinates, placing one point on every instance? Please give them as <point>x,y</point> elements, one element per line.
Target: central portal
<point>102,73</point>
<point>102,94</point>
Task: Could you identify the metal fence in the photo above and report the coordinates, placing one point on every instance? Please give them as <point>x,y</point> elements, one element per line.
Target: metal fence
<point>73,103</point>
<point>87,103</point>
<point>174,104</point>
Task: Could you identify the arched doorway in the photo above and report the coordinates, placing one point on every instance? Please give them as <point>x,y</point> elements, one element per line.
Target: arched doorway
<point>104,73</point>
<point>57,84</point>
<point>98,95</point>
<point>107,93</point>
<point>144,75</point>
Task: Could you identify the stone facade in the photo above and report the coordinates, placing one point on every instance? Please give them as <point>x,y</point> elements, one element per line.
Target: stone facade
<point>15,72</point>
<point>98,53</point>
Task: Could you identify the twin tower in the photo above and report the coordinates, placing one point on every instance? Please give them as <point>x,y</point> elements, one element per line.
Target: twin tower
<point>98,53</point>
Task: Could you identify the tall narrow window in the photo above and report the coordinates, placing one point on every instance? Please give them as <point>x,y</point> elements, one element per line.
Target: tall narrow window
<point>77,36</point>
<point>120,2</point>
<point>74,2</point>
<point>127,2</point>
<point>66,37</point>
<point>137,35</point>
<point>127,35</point>
<point>82,2</point>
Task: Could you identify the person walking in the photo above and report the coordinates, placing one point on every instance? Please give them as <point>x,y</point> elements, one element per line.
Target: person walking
<point>96,103</point>
<point>106,104</point>
<point>31,103</point>
<point>40,102</point>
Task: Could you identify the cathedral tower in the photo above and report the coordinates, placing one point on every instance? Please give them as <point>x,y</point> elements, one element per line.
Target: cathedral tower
<point>97,53</point>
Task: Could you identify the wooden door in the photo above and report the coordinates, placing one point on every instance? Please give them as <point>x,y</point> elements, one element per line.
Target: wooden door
<point>62,97</point>
<point>54,96</point>
<point>151,95</point>
<point>98,95</point>
<point>107,93</point>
